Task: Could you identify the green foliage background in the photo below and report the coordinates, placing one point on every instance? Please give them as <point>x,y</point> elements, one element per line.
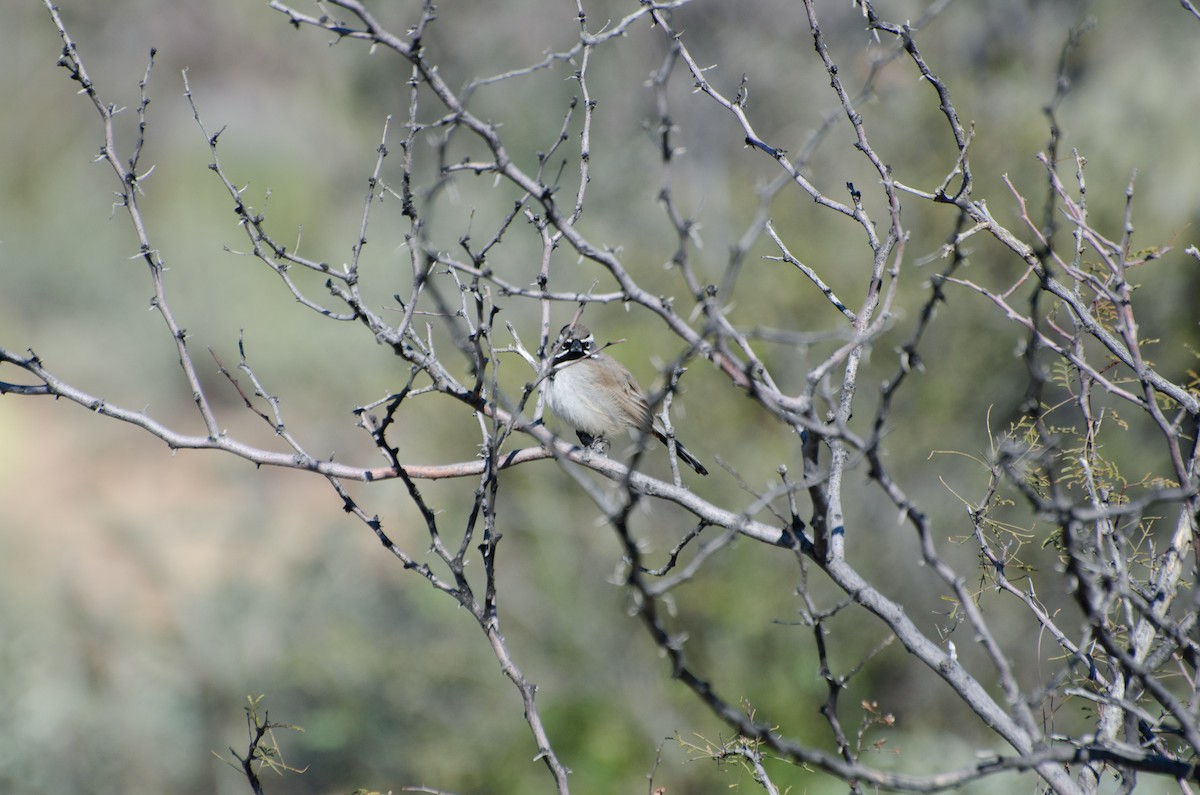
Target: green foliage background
<point>144,595</point>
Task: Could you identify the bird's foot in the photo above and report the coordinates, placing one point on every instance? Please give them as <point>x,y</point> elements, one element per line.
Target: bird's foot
<point>594,444</point>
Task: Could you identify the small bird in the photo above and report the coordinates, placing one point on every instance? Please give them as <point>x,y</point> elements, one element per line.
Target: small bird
<point>597,396</point>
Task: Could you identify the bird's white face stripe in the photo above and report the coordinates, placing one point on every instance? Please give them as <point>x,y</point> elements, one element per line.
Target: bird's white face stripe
<point>574,344</point>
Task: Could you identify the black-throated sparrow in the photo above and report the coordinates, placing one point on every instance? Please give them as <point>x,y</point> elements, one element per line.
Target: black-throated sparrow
<point>594,394</point>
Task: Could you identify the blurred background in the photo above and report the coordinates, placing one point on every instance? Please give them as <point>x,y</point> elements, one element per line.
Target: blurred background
<point>144,595</point>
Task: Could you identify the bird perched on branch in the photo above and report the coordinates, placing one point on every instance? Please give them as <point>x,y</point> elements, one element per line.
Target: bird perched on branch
<point>598,397</point>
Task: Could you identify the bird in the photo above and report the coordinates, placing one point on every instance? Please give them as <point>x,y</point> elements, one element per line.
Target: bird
<point>598,397</point>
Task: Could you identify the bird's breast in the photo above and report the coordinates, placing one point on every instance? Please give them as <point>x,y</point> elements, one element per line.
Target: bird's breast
<point>578,398</point>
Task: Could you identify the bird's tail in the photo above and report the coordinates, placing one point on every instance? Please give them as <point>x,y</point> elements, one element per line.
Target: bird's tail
<point>683,453</point>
